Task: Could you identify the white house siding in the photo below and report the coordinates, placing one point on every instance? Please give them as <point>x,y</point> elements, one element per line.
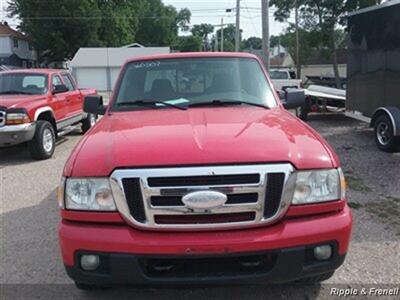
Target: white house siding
<point>23,50</point>
<point>92,78</point>
<point>5,45</point>
<point>99,67</point>
<point>114,72</point>
<point>321,70</point>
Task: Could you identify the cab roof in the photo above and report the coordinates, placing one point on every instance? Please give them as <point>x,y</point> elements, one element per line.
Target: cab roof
<point>35,71</point>
<point>194,55</point>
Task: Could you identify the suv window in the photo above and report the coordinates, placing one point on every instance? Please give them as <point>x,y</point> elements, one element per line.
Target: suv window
<point>37,82</point>
<point>56,80</point>
<point>23,83</point>
<point>68,82</point>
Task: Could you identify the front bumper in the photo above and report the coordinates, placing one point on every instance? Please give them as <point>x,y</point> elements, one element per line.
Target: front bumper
<point>275,266</point>
<point>16,134</point>
<point>126,252</point>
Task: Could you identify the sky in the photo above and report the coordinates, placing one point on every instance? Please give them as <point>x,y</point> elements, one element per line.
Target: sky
<point>209,11</point>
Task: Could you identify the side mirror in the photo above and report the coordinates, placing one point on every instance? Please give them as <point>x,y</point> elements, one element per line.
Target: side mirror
<point>60,88</point>
<point>94,105</point>
<point>294,98</point>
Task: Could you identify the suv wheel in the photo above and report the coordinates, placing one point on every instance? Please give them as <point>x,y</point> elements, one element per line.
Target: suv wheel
<point>88,122</point>
<point>44,141</point>
<point>384,134</point>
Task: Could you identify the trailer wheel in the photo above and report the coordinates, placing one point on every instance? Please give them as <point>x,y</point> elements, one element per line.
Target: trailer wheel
<point>303,111</point>
<point>384,134</point>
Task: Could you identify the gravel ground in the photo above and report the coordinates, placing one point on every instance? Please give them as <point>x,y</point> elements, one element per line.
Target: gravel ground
<point>31,266</point>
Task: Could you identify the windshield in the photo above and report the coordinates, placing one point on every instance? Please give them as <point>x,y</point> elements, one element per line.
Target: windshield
<point>23,83</point>
<point>187,82</point>
<point>278,74</point>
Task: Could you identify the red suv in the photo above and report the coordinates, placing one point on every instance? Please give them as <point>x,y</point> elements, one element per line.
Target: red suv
<point>198,174</point>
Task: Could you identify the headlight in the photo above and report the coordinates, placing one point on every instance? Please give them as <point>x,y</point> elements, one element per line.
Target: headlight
<point>89,194</point>
<point>319,186</point>
<point>17,118</point>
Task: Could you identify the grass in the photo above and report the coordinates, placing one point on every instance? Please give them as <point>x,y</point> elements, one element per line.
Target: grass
<point>357,184</point>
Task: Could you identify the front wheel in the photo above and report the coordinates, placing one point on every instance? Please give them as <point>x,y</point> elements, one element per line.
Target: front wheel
<point>44,141</point>
<point>88,122</point>
<point>384,134</point>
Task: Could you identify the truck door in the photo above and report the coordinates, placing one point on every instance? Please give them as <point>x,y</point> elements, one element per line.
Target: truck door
<point>74,97</point>
<point>59,103</point>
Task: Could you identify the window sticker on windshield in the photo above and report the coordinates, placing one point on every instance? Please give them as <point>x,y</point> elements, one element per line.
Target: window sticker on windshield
<point>147,64</point>
<point>174,102</point>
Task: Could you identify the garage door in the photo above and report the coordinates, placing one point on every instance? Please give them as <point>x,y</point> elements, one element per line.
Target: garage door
<point>114,75</point>
<point>91,78</point>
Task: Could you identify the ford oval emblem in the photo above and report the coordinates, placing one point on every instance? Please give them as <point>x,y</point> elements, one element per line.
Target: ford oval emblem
<point>204,200</point>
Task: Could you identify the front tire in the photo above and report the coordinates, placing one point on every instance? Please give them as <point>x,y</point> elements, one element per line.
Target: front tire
<point>88,122</point>
<point>384,134</point>
<point>44,141</point>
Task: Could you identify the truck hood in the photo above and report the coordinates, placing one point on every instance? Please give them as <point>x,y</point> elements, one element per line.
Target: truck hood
<point>11,101</point>
<point>198,136</point>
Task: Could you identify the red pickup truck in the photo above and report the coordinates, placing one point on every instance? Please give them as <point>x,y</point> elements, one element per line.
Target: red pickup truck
<point>197,174</point>
<point>37,105</point>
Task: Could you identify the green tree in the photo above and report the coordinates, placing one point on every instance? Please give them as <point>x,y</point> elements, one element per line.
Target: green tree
<point>322,16</point>
<point>274,41</point>
<point>58,28</point>
<point>229,37</point>
<point>253,43</point>
<point>159,24</point>
<point>118,21</point>
<point>202,30</point>
<point>189,43</point>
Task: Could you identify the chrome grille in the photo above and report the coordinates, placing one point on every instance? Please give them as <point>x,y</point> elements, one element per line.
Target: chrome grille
<point>2,118</point>
<point>146,196</point>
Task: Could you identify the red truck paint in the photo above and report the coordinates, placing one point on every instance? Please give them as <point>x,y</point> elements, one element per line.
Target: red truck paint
<point>207,136</point>
<point>64,108</point>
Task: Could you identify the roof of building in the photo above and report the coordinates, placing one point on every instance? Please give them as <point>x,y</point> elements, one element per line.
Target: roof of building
<point>6,30</point>
<point>113,57</point>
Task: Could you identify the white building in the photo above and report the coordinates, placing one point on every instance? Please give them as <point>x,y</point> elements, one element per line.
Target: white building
<point>99,67</point>
<point>15,48</point>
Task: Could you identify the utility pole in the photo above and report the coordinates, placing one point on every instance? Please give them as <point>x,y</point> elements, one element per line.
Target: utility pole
<point>222,34</point>
<point>298,62</point>
<point>237,35</point>
<point>265,31</point>
<point>216,46</point>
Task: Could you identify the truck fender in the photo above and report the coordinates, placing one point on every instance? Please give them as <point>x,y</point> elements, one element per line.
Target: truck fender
<point>42,110</point>
<point>394,114</point>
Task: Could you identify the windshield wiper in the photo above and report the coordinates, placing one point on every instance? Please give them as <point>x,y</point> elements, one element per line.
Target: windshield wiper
<point>149,103</point>
<point>15,92</point>
<point>219,102</point>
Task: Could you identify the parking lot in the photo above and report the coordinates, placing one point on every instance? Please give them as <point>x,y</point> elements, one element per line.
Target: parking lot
<point>30,261</point>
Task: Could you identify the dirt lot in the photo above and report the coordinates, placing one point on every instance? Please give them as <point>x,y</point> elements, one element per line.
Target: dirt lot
<point>31,267</point>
